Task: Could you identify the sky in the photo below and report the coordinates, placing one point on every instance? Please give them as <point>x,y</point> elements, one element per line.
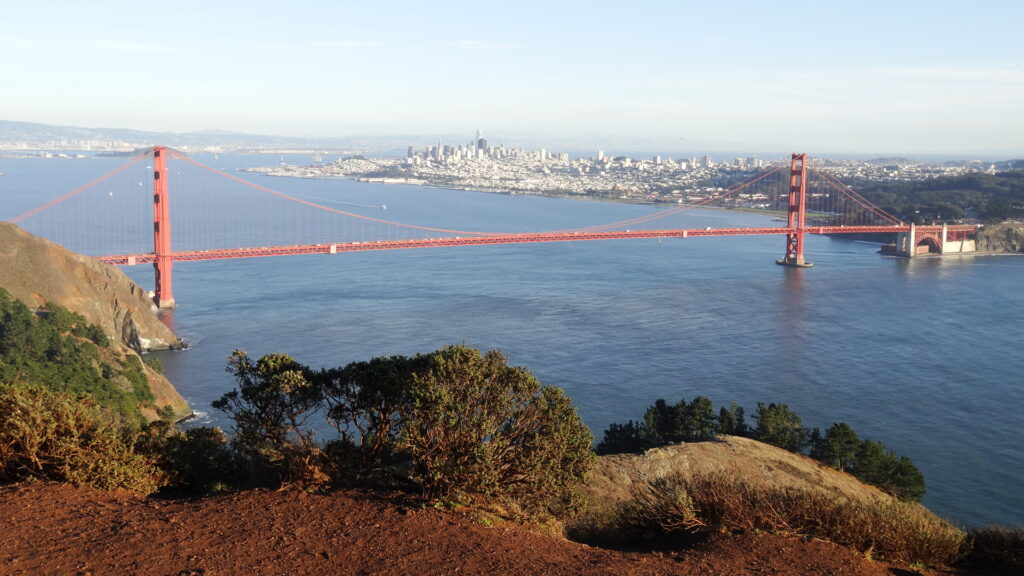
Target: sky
<point>816,76</point>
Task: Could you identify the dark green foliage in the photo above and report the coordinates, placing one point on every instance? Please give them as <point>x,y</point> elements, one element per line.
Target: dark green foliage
<point>480,426</point>
<point>166,413</point>
<point>467,423</point>
<point>838,448</point>
<point>154,364</point>
<point>699,423</point>
<point>779,426</point>
<point>58,350</point>
<point>623,438</point>
<point>275,396</point>
<point>196,461</point>
<point>990,196</point>
<point>367,403</point>
<point>896,474</point>
<point>91,332</point>
<point>667,424</point>
<point>663,423</point>
<point>68,438</point>
<point>730,421</point>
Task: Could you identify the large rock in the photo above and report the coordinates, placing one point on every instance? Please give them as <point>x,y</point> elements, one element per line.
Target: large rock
<point>37,271</point>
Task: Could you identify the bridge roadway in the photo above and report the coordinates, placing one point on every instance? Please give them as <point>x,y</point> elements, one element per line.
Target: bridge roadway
<point>329,248</point>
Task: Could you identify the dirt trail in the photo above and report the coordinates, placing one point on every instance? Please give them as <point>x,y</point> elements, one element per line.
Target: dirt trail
<point>56,529</point>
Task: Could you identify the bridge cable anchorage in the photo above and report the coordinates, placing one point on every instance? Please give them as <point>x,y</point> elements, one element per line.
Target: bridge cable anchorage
<point>320,206</point>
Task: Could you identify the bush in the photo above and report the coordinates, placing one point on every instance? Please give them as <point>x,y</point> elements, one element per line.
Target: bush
<point>154,364</point>
<point>196,461</point>
<point>997,549</point>
<point>465,423</point>
<point>367,403</point>
<point>666,424</point>
<point>891,530</point>
<point>68,438</point>
<point>480,426</point>
<point>274,398</point>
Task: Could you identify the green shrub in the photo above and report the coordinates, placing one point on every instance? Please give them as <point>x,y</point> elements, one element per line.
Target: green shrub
<point>367,404</point>
<point>197,461</point>
<point>463,422</point>
<point>274,398</point>
<point>68,438</point>
<point>480,426</point>
<point>666,424</point>
<point>779,426</point>
<point>154,364</point>
<point>625,438</point>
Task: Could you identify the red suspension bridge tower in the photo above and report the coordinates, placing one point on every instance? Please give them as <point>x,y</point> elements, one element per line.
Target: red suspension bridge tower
<point>795,219</point>
<point>164,258</point>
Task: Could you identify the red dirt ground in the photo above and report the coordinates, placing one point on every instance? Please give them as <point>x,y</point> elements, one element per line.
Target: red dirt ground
<point>55,529</point>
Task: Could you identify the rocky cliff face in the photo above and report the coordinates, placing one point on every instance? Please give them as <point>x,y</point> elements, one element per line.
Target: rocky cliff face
<point>36,271</point>
<point>1007,237</point>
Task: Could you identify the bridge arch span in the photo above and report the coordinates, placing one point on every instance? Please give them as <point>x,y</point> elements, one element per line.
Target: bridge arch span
<point>931,241</point>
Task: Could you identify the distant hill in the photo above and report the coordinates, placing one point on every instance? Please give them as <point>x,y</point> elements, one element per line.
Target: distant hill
<point>48,137</point>
<point>989,197</point>
<point>35,136</point>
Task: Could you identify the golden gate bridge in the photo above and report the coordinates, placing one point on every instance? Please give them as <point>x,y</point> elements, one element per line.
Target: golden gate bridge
<point>214,215</point>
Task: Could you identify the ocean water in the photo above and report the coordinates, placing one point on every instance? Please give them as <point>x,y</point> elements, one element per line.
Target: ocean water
<point>924,355</point>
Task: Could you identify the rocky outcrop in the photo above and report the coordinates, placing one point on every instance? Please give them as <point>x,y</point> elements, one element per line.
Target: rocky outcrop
<point>1006,238</point>
<point>37,271</point>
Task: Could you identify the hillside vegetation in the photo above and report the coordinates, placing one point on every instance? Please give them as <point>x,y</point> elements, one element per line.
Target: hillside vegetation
<point>43,276</point>
<point>987,197</point>
<point>58,350</point>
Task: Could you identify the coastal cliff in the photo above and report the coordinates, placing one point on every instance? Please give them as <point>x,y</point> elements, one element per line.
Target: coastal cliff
<point>37,271</point>
<point>1006,238</point>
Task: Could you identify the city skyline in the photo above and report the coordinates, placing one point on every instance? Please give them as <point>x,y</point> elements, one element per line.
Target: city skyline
<point>875,77</point>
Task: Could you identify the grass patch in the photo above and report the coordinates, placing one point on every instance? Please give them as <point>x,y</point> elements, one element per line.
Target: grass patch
<point>885,529</point>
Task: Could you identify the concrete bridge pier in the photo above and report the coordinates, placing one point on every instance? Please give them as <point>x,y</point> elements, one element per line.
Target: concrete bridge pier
<point>933,240</point>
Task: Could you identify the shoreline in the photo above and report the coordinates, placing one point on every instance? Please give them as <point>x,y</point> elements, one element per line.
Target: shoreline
<point>565,196</point>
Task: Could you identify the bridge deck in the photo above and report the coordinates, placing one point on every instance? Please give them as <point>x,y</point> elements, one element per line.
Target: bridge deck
<point>333,248</point>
